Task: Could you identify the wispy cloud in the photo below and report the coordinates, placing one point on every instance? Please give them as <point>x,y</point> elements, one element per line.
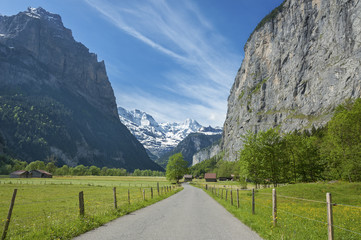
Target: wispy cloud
<point>171,111</point>
<point>179,30</point>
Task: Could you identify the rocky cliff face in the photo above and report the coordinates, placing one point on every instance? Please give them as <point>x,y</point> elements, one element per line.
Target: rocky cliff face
<point>206,153</point>
<point>42,35</point>
<point>189,146</point>
<point>300,63</point>
<point>56,99</point>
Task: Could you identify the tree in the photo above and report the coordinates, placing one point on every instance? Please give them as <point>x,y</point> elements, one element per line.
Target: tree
<point>137,172</point>
<point>342,145</point>
<point>36,165</point>
<point>262,159</point>
<point>226,169</point>
<point>176,167</point>
<point>63,171</point>
<point>303,152</point>
<point>50,167</point>
<point>94,171</point>
<point>19,165</point>
<point>79,170</point>
<point>104,171</point>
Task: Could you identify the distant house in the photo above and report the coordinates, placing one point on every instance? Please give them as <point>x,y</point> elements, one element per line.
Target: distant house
<point>210,177</point>
<point>40,174</point>
<point>188,178</point>
<point>20,174</point>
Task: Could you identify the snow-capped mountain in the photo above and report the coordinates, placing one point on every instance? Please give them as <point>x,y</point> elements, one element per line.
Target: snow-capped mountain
<point>159,138</point>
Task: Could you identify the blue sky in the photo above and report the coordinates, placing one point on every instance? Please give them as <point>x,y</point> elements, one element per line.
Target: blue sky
<point>174,59</point>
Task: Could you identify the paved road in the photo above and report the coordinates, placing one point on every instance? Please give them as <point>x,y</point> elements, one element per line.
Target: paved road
<point>189,214</point>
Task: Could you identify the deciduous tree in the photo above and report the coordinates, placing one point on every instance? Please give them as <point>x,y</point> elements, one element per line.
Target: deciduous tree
<point>176,167</point>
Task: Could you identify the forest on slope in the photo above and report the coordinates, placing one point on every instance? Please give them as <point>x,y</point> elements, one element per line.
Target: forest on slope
<point>332,152</point>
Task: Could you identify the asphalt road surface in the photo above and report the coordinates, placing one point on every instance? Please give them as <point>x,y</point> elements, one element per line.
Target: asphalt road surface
<point>189,214</point>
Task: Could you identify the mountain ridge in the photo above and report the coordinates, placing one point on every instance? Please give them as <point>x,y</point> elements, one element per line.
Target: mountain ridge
<point>160,138</point>
<point>56,99</point>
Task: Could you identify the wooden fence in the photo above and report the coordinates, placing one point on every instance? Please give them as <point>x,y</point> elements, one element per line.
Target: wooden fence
<point>227,193</point>
<point>85,203</point>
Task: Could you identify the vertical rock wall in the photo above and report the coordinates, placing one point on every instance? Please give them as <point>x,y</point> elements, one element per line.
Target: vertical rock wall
<point>298,67</point>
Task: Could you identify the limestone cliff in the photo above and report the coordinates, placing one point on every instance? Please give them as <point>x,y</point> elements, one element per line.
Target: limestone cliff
<point>301,61</point>
<point>206,153</point>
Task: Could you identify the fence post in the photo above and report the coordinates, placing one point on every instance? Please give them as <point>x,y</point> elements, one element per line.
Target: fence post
<point>115,197</point>
<point>222,194</point>
<point>9,215</point>
<point>81,204</point>
<point>151,192</point>
<point>226,194</point>
<point>143,194</point>
<point>237,198</point>
<point>158,188</point>
<point>231,198</point>
<point>128,196</point>
<point>206,187</point>
<point>274,207</point>
<point>253,202</point>
<point>329,216</point>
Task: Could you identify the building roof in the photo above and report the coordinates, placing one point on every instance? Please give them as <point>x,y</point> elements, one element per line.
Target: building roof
<point>210,176</point>
<point>188,176</point>
<point>42,171</point>
<point>19,172</point>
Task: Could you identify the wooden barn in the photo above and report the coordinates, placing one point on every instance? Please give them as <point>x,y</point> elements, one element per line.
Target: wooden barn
<point>20,174</point>
<point>40,174</point>
<point>188,178</point>
<point>210,177</point>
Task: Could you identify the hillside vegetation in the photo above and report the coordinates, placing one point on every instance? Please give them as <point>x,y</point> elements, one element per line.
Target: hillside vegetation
<point>329,153</point>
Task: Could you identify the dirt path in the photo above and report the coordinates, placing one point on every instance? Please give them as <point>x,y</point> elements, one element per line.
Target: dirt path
<point>189,214</point>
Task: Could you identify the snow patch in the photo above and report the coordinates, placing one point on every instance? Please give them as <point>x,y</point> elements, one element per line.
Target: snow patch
<point>159,138</point>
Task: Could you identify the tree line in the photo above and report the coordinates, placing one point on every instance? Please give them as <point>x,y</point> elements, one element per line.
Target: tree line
<point>8,165</point>
<point>332,152</point>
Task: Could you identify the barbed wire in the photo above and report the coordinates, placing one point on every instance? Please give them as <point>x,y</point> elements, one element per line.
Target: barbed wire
<point>345,205</point>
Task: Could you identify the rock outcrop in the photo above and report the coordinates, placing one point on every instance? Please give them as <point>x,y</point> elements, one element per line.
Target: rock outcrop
<point>56,99</point>
<point>189,146</point>
<point>302,61</point>
<point>206,153</point>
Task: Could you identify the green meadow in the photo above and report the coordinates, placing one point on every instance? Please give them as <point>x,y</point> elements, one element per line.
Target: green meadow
<point>49,208</point>
<point>301,210</point>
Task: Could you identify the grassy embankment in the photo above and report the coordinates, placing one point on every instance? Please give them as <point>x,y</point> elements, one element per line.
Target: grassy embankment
<point>49,208</point>
<point>297,218</point>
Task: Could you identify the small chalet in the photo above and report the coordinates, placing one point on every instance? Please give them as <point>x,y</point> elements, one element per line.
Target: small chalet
<point>20,174</point>
<point>40,174</point>
<point>210,177</point>
<point>188,178</point>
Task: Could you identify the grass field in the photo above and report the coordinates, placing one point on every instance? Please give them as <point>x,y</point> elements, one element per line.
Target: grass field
<point>49,208</point>
<point>301,210</point>
<point>116,181</point>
